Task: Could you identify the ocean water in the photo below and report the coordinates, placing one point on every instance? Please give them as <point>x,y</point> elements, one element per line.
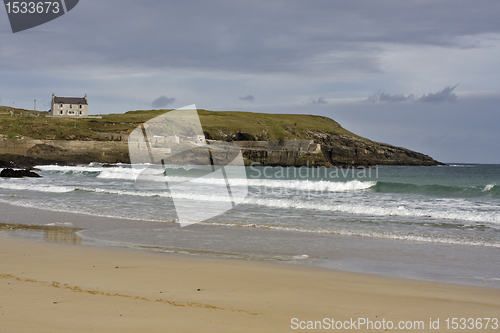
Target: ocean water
<point>428,223</point>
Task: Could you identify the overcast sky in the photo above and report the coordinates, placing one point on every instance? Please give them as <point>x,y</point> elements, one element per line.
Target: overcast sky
<point>420,74</point>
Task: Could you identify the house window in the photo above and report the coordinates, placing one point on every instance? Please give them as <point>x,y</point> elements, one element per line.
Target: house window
<point>80,106</point>
<point>80,113</point>
<point>70,106</point>
<point>60,105</point>
<point>71,112</point>
<point>61,112</point>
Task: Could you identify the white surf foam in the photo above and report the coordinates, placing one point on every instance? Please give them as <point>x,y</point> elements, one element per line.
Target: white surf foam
<point>72,169</point>
<point>320,186</point>
<point>74,210</point>
<point>488,187</point>
<point>300,185</point>
<point>386,235</point>
<point>372,210</point>
<point>37,187</point>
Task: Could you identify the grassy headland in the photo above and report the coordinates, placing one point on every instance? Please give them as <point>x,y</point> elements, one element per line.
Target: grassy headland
<point>81,140</point>
<point>217,125</point>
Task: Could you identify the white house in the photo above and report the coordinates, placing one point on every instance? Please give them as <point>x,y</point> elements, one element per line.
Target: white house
<point>69,106</point>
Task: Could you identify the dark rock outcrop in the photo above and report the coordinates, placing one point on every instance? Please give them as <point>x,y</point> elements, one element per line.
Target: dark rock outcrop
<point>332,150</point>
<point>11,173</point>
<point>350,151</point>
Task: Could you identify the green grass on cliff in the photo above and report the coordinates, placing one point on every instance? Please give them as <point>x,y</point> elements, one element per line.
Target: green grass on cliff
<point>25,123</point>
<point>217,124</point>
<point>277,126</point>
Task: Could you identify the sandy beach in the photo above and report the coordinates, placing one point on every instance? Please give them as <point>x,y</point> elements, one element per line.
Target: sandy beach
<point>62,288</point>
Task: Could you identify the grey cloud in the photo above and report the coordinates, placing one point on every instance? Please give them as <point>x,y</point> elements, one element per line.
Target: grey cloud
<point>293,36</point>
<point>320,100</point>
<point>249,98</point>
<point>384,97</point>
<point>445,95</point>
<point>162,102</point>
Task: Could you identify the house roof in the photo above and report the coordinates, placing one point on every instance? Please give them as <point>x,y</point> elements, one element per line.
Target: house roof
<point>70,100</point>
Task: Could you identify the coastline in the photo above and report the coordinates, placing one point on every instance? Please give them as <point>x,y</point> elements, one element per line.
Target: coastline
<point>80,289</point>
<point>27,152</point>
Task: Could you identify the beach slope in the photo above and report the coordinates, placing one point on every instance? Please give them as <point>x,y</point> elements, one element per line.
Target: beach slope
<point>60,288</point>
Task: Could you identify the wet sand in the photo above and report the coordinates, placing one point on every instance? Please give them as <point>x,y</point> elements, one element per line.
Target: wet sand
<point>63,288</point>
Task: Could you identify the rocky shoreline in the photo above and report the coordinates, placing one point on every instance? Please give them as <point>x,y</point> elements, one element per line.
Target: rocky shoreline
<point>11,173</point>
<point>324,150</point>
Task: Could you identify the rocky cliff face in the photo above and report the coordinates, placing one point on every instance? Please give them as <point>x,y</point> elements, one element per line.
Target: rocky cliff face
<point>322,149</point>
<point>345,151</point>
<point>351,153</point>
<point>27,152</point>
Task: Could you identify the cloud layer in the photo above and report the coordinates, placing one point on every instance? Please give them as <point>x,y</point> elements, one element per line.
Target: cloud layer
<point>162,102</point>
<point>292,36</point>
<point>445,95</point>
<point>248,98</point>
